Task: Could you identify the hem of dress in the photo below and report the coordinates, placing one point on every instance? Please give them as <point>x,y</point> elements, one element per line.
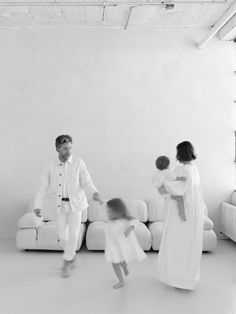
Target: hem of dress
<point>177,285</point>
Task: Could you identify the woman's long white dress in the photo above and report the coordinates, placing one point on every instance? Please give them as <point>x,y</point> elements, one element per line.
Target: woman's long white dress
<point>181,245</point>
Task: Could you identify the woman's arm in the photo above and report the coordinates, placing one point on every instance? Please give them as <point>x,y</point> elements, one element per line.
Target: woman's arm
<point>178,187</point>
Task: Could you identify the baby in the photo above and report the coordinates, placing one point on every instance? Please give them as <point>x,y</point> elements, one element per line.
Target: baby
<point>165,174</point>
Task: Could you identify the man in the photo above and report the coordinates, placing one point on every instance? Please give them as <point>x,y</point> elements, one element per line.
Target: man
<point>64,182</point>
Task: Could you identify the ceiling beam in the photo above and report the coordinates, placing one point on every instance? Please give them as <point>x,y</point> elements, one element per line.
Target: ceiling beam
<point>110,3</point>
<point>221,22</point>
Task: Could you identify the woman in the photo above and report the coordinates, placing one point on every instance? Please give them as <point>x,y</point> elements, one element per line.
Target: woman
<point>181,245</point>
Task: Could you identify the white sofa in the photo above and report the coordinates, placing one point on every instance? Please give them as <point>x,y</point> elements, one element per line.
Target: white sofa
<point>40,234</point>
<point>228,218</point>
<point>37,234</point>
<point>151,215</point>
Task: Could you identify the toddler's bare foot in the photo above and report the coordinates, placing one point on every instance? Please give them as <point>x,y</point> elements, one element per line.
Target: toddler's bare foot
<point>118,285</point>
<point>126,271</point>
<point>125,268</point>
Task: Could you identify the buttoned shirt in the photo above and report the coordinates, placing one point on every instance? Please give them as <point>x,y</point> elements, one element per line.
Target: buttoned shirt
<point>76,180</point>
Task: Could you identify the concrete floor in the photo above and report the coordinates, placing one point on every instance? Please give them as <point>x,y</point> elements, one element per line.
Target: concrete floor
<point>30,283</point>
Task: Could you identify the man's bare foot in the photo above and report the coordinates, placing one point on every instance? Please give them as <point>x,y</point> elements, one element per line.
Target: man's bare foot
<point>67,265</point>
<point>118,285</point>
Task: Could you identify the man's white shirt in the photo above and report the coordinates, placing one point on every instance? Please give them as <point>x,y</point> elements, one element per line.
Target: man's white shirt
<point>68,179</point>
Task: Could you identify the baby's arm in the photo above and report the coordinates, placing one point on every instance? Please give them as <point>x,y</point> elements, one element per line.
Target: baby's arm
<point>181,179</point>
<point>181,208</point>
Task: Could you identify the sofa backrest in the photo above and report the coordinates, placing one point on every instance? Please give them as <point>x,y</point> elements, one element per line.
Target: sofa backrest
<point>136,208</point>
<point>156,209</point>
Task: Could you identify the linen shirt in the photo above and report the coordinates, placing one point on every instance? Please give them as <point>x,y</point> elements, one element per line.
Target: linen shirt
<point>77,180</point>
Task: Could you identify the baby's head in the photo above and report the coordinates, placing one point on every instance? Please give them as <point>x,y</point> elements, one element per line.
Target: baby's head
<point>162,163</point>
<point>117,209</point>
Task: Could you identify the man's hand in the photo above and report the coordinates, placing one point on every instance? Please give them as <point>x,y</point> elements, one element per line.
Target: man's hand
<point>38,212</point>
<point>128,230</point>
<point>97,198</point>
<point>162,190</point>
<point>181,179</point>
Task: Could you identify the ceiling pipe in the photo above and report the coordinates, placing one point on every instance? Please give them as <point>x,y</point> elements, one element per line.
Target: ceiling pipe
<point>90,3</point>
<point>221,22</point>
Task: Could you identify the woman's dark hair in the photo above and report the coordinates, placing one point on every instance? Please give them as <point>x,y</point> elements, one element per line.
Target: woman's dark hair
<point>118,206</point>
<point>62,139</point>
<point>185,151</point>
<point>162,162</point>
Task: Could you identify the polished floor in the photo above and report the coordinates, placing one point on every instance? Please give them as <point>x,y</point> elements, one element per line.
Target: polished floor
<point>30,283</point>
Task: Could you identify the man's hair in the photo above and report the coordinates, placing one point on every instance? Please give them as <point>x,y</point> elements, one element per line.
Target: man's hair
<point>162,162</point>
<point>62,139</point>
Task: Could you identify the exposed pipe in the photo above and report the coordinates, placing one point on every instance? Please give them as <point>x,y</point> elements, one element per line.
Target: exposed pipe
<point>90,3</point>
<point>221,22</point>
<point>128,17</point>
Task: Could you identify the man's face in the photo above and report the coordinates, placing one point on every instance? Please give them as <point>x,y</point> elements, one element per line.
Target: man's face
<point>64,151</point>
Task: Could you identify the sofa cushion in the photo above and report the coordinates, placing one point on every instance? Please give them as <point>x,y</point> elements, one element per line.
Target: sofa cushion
<point>208,223</point>
<point>29,220</point>
<point>157,210</point>
<point>47,238</point>
<point>137,209</point>
<point>48,211</point>
<point>95,236</point>
<point>209,236</point>
<point>233,198</point>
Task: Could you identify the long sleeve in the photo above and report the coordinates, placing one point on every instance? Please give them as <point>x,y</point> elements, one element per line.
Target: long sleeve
<point>85,180</point>
<point>42,189</point>
<point>177,187</point>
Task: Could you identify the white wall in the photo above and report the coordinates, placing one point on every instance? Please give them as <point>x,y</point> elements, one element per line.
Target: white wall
<point>125,97</point>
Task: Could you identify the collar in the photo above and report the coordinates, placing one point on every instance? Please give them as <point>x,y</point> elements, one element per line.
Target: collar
<point>68,160</point>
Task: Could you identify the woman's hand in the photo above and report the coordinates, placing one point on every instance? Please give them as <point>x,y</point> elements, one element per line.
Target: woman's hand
<point>162,190</point>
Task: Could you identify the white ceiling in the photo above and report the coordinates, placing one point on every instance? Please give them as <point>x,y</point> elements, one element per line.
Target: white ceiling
<point>121,14</point>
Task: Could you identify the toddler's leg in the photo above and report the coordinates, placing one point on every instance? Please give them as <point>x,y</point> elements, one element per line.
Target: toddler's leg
<point>181,208</point>
<point>117,270</point>
<point>125,268</point>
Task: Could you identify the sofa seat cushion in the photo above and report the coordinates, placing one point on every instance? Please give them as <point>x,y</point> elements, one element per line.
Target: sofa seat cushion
<point>48,237</point>
<point>26,239</point>
<point>44,238</point>
<point>209,236</point>
<point>95,236</point>
<point>137,209</point>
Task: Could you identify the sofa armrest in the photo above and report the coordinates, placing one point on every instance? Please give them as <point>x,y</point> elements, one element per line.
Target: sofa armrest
<point>29,220</point>
<point>228,220</point>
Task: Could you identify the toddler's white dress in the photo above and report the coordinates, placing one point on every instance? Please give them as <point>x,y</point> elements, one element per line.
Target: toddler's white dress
<point>118,247</point>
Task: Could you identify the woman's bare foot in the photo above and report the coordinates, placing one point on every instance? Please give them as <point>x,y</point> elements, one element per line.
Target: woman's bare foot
<point>118,285</point>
